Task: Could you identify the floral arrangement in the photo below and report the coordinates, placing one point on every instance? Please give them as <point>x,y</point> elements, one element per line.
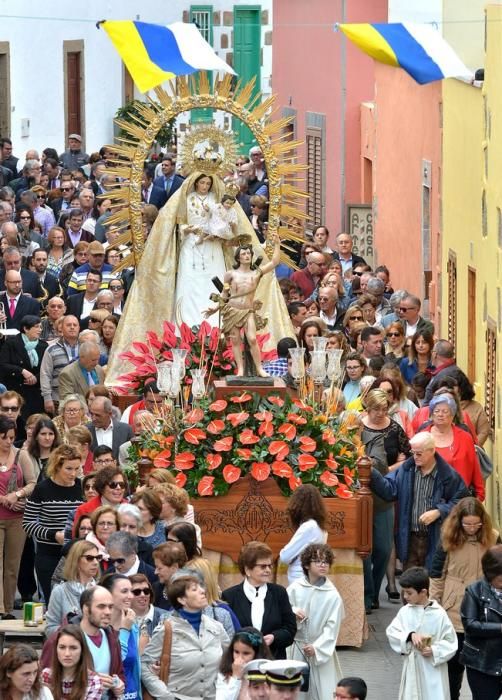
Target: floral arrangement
<point>205,350</point>
<point>215,443</point>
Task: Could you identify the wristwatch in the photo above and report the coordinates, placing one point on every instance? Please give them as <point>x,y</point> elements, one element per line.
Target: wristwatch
<point>20,494</point>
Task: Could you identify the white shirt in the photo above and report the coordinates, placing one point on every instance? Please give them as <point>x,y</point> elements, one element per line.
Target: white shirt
<point>328,320</point>
<point>411,330</point>
<point>104,436</point>
<point>309,532</point>
<point>134,568</point>
<point>87,307</point>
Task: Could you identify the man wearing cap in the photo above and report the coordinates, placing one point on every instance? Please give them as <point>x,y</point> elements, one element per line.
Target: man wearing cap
<point>255,684</point>
<point>96,261</point>
<point>284,678</point>
<point>74,157</point>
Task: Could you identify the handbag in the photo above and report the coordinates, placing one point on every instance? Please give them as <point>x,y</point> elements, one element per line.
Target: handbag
<point>485,463</point>
<point>165,659</point>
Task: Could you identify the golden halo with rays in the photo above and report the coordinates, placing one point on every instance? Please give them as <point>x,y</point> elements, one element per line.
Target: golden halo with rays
<point>285,174</point>
<point>208,149</point>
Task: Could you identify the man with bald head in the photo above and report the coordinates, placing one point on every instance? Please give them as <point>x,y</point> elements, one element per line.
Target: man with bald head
<point>308,278</point>
<point>16,305</point>
<point>104,429</point>
<point>58,356</point>
<point>12,261</point>
<point>79,376</point>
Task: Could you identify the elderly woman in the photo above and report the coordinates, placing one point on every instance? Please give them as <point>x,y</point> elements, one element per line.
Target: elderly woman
<point>152,529</point>
<point>455,445</point>
<point>122,548</point>
<point>481,612</point>
<point>104,522</point>
<point>387,444</point>
<point>81,570</point>
<point>259,603</point>
<point>20,359</point>
<point>198,643</point>
<point>81,436</point>
<point>47,510</point>
<point>168,558</point>
<point>307,515</point>
<point>71,412</point>
<point>368,305</point>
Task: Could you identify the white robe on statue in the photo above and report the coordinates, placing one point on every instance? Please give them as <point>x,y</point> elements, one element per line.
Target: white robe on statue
<point>423,678</point>
<point>323,606</point>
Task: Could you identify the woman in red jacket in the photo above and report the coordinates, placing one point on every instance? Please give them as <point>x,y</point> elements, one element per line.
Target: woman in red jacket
<point>111,487</point>
<point>455,445</point>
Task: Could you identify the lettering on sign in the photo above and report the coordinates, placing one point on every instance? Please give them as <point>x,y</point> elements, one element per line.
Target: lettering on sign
<point>360,218</point>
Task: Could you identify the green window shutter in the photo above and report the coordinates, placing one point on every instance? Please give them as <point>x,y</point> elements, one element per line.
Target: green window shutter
<point>202,16</point>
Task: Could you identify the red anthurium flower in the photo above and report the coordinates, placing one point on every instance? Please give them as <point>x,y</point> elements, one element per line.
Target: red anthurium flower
<point>306,462</point>
<point>215,427</point>
<point>242,398</point>
<point>244,452</point>
<point>329,479</point>
<point>204,329</point>
<point>205,486</point>
<point>224,444</point>
<point>195,415</point>
<point>213,461</point>
<point>154,340</point>
<point>264,415</point>
<point>294,482</point>
<point>347,475</point>
<point>231,473</point>
<point>331,463</point>
<point>288,430</point>
<point>307,444</point>
<point>194,435</point>
<point>218,406</point>
<point>184,460</point>
<point>282,469</point>
<point>214,339</point>
<point>343,492</point>
<point>186,334</point>
<point>266,429</point>
<point>279,448</point>
<point>237,418</point>
<point>296,418</point>
<point>328,437</point>
<point>247,437</point>
<point>276,400</point>
<point>301,404</point>
<point>141,347</point>
<point>260,471</point>
<point>163,459</point>
<point>180,479</point>
<point>169,334</point>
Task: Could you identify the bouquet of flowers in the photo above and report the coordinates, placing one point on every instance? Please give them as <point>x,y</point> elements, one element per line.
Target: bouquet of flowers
<point>216,443</point>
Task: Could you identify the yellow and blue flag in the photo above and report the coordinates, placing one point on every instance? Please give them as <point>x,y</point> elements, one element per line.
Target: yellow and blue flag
<point>417,48</point>
<point>154,53</point>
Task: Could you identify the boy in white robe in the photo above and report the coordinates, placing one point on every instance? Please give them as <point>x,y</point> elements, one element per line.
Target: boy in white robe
<point>319,612</point>
<point>423,633</point>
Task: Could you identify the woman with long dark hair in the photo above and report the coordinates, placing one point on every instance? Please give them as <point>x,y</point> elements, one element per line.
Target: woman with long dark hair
<point>20,676</point>
<point>186,534</point>
<point>70,676</point>
<point>307,515</point>
<point>466,535</point>
<point>419,356</point>
<point>247,644</point>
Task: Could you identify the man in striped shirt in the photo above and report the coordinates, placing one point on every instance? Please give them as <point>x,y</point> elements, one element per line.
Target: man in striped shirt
<point>96,253</point>
<point>426,488</point>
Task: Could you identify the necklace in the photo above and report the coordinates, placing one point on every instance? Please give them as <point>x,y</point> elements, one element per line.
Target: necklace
<point>5,467</point>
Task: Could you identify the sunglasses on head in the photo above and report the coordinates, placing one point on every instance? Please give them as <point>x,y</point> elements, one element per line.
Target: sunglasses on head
<point>93,557</point>
<point>118,560</point>
<point>117,485</point>
<point>140,591</point>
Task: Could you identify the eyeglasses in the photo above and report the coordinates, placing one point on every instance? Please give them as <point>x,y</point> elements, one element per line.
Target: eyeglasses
<point>140,591</point>
<point>108,460</point>
<point>407,308</point>
<point>119,561</point>
<point>263,566</point>
<point>10,409</point>
<point>27,218</point>
<point>106,523</point>
<point>40,196</point>
<point>93,557</point>
<point>117,485</point>
<point>72,410</point>
<point>394,335</point>
<point>66,189</point>
<point>321,562</point>
<point>116,288</point>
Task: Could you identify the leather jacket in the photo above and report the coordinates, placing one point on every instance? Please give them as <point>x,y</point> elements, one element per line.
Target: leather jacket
<point>481,613</point>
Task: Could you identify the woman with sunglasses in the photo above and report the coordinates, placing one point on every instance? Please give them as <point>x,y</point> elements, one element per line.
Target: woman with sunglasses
<point>81,571</point>
<point>394,342</point>
<point>29,239</point>
<point>43,215</point>
<point>117,287</point>
<point>111,486</point>
<point>147,615</point>
<point>353,316</point>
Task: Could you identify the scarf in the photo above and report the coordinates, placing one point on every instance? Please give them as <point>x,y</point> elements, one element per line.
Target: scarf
<point>193,618</point>
<point>30,346</point>
<point>435,370</point>
<point>256,596</point>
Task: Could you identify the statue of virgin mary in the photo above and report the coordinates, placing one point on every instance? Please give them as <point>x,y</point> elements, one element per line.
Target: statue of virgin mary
<point>174,276</point>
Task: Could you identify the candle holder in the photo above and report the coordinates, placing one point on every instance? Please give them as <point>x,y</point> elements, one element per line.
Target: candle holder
<point>297,369</point>
<point>198,385</point>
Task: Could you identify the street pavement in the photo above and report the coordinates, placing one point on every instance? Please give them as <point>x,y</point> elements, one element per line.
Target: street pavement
<point>376,662</point>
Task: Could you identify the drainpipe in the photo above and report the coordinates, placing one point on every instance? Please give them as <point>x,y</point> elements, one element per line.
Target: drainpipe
<point>343,101</point>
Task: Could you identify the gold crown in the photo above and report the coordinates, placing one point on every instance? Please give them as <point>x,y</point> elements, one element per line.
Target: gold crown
<point>208,150</point>
<point>231,188</point>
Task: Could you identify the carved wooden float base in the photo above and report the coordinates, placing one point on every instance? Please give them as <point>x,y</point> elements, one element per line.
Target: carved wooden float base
<point>254,510</point>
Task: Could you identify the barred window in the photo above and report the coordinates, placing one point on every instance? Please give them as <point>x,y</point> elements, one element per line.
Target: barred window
<point>491,372</point>
<point>452,298</point>
<point>315,208</point>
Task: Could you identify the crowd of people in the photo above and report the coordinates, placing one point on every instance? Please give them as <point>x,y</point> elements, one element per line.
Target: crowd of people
<point>121,573</point>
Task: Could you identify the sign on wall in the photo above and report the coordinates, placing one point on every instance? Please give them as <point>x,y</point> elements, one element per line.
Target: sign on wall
<point>360,227</point>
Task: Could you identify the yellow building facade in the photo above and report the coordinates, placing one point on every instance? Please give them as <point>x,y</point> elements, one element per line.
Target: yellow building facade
<point>471,241</point>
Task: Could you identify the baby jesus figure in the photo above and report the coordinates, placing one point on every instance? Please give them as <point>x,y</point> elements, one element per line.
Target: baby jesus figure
<point>222,221</point>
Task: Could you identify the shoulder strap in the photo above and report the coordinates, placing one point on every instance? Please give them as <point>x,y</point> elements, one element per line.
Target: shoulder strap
<point>165,659</point>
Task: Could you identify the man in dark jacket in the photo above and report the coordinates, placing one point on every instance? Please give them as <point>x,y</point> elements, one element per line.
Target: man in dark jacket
<point>97,605</point>
<point>426,488</point>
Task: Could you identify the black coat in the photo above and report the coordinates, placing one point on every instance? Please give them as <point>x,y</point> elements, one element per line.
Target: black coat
<point>13,360</point>
<point>176,184</point>
<point>31,283</point>
<point>158,196</point>
<point>278,618</point>
<point>481,613</point>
